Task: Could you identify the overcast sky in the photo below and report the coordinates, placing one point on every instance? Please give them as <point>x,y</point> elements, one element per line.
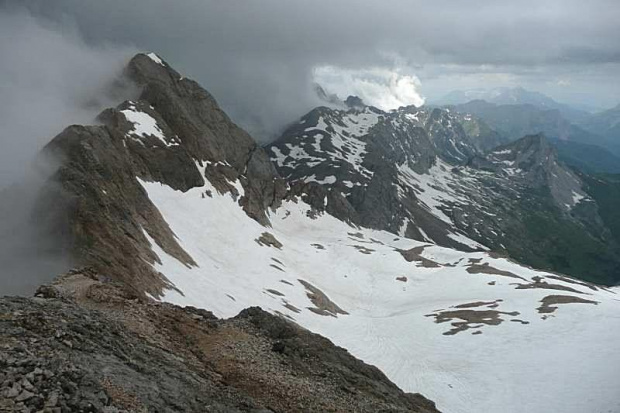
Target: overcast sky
<point>260,57</point>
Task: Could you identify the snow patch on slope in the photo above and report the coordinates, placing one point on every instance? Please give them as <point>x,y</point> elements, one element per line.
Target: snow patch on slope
<point>144,125</point>
<point>431,188</point>
<point>156,59</point>
<point>331,179</point>
<point>389,321</point>
<point>336,137</point>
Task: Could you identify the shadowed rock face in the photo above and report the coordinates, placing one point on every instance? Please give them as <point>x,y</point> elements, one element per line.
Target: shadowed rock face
<point>208,134</point>
<point>88,345</point>
<point>535,162</point>
<point>168,134</point>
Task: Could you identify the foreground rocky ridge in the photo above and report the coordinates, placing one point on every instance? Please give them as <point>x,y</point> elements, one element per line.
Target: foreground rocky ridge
<point>83,344</point>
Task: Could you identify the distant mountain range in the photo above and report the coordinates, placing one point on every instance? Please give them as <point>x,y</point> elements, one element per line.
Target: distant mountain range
<point>607,125</point>
<point>515,112</point>
<point>587,158</point>
<point>513,96</point>
<point>517,120</point>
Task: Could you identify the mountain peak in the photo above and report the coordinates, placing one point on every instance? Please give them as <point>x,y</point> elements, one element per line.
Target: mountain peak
<point>174,133</point>
<point>526,152</point>
<point>537,141</point>
<point>354,102</point>
<point>149,69</point>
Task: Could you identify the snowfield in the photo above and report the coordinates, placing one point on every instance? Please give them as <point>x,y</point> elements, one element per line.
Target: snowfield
<point>392,302</point>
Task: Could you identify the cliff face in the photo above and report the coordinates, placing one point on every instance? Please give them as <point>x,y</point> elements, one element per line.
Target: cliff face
<point>173,133</point>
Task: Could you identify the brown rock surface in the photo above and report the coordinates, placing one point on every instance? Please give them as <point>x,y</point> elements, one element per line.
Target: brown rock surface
<point>94,346</point>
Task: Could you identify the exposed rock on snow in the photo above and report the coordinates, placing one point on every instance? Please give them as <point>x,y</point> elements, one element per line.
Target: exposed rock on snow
<point>268,240</point>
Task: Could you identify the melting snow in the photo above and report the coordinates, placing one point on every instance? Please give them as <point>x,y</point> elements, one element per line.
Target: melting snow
<point>144,125</point>
<point>462,239</point>
<point>413,116</point>
<point>564,363</point>
<point>328,179</point>
<point>156,59</point>
<point>577,197</point>
<point>403,227</point>
<point>317,142</point>
<point>345,140</point>
<point>426,187</point>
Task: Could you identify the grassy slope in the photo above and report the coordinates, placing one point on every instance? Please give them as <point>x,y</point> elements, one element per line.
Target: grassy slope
<point>605,189</point>
<point>558,244</point>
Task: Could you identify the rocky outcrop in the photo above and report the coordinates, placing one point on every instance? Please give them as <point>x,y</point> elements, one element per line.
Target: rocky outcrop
<point>207,133</point>
<point>84,344</point>
<point>173,133</point>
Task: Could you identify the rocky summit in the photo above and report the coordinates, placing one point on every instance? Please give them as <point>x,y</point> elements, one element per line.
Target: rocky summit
<point>417,240</point>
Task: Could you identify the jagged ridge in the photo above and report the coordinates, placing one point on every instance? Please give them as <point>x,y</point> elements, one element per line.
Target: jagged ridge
<point>165,135</point>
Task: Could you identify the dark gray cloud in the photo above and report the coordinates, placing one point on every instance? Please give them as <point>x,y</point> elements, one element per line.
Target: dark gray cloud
<point>257,57</point>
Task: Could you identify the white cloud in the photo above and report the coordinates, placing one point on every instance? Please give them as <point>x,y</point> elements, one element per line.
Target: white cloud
<point>49,79</point>
<point>384,88</point>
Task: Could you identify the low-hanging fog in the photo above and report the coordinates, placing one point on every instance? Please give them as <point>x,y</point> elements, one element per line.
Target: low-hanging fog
<point>49,79</point>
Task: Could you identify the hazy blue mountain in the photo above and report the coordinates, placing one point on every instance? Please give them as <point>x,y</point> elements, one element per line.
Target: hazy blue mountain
<point>515,96</point>
<point>515,121</point>
<point>607,125</point>
<point>587,158</point>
